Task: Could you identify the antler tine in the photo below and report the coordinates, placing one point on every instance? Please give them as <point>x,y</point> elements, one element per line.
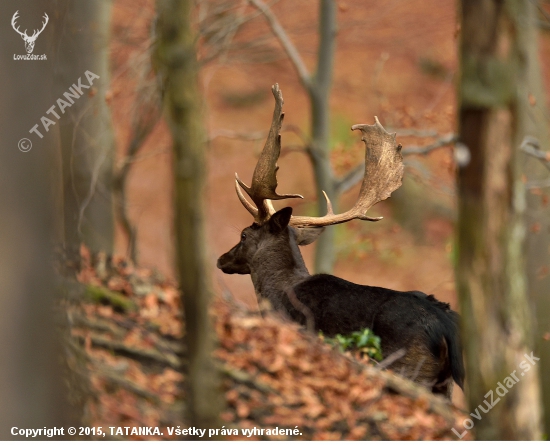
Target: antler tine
<point>47,19</point>
<point>383,174</point>
<point>13,20</point>
<point>264,179</point>
<point>251,209</point>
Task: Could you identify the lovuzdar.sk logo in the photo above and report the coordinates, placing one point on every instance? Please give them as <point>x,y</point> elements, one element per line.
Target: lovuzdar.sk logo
<point>29,40</point>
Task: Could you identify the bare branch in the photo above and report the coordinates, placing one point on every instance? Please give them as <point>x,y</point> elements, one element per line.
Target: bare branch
<point>146,114</point>
<point>286,43</point>
<point>531,146</point>
<point>353,177</point>
<point>421,133</point>
<point>537,184</point>
<point>230,134</point>
<point>446,140</point>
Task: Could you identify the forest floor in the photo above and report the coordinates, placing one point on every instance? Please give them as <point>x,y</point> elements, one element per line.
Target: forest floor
<point>126,332</point>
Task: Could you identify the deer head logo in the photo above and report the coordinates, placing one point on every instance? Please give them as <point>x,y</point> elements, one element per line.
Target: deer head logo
<point>29,40</point>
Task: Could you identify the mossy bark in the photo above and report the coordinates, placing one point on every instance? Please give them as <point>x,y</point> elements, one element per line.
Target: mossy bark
<point>497,318</point>
<point>176,62</point>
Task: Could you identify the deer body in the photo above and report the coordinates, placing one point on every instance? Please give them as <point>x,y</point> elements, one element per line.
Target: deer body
<point>424,329</point>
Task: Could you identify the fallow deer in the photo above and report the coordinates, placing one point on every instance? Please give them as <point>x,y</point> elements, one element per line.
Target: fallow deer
<point>423,328</point>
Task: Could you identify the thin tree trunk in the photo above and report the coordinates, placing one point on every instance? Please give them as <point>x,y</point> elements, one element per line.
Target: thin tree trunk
<point>177,64</point>
<point>319,94</point>
<point>87,140</point>
<point>498,322</point>
<point>537,213</point>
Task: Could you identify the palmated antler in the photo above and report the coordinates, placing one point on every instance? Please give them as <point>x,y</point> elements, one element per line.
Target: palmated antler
<point>383,174</point>
<point>264,179</point>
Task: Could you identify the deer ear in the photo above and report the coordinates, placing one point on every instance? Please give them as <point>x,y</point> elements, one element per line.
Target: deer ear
<point>306,235</point>
<point>279,221</point>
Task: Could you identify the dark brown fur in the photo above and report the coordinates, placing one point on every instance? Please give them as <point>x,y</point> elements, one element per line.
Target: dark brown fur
<point>425,328</point>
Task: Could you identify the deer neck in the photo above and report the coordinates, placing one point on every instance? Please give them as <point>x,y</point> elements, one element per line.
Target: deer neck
<point>275,270</point>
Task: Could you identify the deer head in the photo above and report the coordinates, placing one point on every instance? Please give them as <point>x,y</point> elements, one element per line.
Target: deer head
<point>383,174</point>
<point>29,40</point>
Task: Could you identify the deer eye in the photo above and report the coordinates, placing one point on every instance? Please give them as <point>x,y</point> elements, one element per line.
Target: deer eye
<point>243,236</point>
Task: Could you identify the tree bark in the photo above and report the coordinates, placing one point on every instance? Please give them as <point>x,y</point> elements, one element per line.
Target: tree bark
<point>177,65</point>
<point>497,320</point>
<point>87,140</point>
<point>537,215</point>
<point>319,94</point>
<point>33,393</point>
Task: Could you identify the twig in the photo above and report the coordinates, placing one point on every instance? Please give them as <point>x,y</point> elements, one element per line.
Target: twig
<point>448,139</point>
<point>390,359</point>
<point>301,307</point>
<point>384,57</point>
<point>408,388</point>
<point>351,178</point>
<point>245,378</point>
<point>286,43</point>
<point>537,184</point>
<point>427,133</point>
<point>531,146</point>
<point>147,114</point>
<point>230,134</point>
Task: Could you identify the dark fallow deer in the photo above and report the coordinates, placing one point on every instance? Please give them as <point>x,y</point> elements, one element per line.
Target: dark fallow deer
<point>424,329</point>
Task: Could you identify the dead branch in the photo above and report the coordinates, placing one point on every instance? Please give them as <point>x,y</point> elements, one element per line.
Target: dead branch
<point>139,354</point>
<point>124,383</point>
<point>147,113</point>
<point>301,307</point>
<point>230,134</point>
<point>245,378</point>
<point>531,146</point>
<point>391,359</point>
<point>401,385</point>
<point>446,140</point>
<point>537,184</point>
<point>421,133</point>
<point>219,27</point>
<point>284,40</point>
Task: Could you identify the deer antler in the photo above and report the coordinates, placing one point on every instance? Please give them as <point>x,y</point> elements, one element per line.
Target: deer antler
<point>36,33</point>
<point>383,174</point>
<point>264,179</point>
<point>13,20</point>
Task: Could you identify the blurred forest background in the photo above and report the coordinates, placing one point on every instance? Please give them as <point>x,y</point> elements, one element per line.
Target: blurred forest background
<point>103,174</point>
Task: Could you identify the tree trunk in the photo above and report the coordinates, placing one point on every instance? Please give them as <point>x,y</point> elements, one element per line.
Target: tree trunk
<point>319,93</point>
<point>537,215</point>
<point>497,320</point>
<point>87,141</point>
<point>33,393</point>
<point>177,64</point>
